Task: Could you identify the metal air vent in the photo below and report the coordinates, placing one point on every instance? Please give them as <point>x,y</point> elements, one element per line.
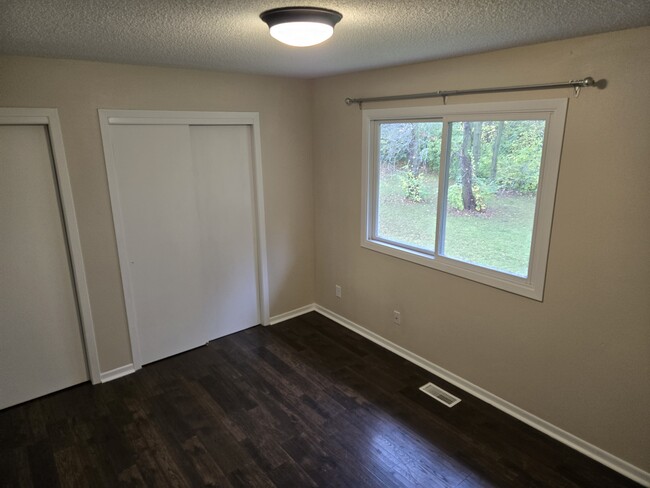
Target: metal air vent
<point>439,394</point>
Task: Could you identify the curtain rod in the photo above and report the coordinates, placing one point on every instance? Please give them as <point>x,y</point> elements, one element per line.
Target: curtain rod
<point>575,84</point>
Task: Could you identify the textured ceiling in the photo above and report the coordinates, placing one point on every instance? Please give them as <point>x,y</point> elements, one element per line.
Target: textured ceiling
<point>227,35</point>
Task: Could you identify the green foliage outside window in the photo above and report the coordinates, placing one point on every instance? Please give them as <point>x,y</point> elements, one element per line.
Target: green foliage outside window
<point>505,157</point>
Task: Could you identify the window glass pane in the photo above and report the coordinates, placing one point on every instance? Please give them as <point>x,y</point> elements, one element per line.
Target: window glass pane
<point>494,171</point>
<point>409,163</point>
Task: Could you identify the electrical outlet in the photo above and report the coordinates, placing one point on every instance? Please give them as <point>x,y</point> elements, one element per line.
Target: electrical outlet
<point>338,291</point>
<point>397,317</point>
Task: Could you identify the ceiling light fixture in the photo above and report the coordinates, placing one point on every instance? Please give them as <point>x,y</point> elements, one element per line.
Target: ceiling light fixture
<point>301,26</point>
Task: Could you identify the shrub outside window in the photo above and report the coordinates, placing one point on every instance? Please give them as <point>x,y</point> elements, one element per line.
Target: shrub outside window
<point>466,189</point>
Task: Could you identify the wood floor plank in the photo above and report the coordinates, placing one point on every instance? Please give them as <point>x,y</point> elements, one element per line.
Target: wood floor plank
<point>70,467</point>
<point>304,403</point>
<point>319,465</point>
<point>14,468</point>
<point>154,471</point>
<point>132,477</point>
<point>161,451</point>
<point>42,465</point>
<point>290,474</point>
<point>205,465</point>
<point>250,476</point>
<point>224,449</point>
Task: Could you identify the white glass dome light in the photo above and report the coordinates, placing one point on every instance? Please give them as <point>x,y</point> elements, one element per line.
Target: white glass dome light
<point>301,26</point>
<point>301,34</point>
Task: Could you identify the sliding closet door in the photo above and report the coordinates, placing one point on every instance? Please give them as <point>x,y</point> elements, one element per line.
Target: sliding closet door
<point>185,195</point>
<point>41,347</point>
<point>222,163</point>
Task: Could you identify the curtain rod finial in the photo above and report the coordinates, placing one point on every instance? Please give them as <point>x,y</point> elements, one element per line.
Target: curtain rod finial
<point>601,84</point>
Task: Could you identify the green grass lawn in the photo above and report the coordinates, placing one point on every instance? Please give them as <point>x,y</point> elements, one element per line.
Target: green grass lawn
<point>498,238</point>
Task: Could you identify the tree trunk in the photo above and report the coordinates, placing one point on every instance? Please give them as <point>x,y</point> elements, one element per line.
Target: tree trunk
<point>469,202</point>
<point>414,157</point>
<point>495,151</point>
<point>476,143</point>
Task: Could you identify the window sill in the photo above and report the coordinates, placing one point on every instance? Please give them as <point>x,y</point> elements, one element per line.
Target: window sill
<point>496,279</point>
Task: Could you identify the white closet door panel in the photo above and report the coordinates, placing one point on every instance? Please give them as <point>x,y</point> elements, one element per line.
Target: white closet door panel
<point>41,347</point>
<point>222,161</point>
<point>162,234</point>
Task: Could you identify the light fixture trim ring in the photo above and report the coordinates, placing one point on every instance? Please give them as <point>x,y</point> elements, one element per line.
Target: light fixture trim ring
<point>282,15</point>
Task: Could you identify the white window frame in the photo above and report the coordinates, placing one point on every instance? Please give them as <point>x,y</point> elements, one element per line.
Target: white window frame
<point>552,111</point>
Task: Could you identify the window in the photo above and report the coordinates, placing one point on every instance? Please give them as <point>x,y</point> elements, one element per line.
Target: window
<point>466,189</point>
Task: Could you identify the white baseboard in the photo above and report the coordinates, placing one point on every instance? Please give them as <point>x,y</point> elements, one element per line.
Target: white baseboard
<point>116,373</point>
<point>276,319</point>
<point>596,453</point>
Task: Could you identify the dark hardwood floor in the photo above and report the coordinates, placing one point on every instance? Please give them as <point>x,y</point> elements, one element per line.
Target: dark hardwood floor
<point>299,404</point>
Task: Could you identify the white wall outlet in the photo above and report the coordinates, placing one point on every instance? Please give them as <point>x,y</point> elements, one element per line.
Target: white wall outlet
<point>338,291</point>
<point>397,317</point>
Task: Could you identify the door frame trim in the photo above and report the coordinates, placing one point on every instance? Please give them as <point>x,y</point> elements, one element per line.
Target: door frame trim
<point>49,117</point>
<point>108,117</point>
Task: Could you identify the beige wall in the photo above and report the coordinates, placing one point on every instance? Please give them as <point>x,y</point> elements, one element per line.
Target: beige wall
<point>580,359</point>
<point>77,89</point>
